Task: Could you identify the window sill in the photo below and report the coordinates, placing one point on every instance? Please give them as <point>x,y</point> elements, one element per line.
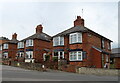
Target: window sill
<point>29,46</point>
<point>75,43</point>
<point>76,61</point>
<point>59,45</point>
<point>20,48</point>
<point>5,49</point>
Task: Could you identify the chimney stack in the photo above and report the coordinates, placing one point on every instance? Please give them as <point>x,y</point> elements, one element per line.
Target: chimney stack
<point>39,29</point>
<point>14,36</point>
<point>79,21</point>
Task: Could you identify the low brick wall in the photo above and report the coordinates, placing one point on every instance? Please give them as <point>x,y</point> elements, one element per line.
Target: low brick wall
<point>31,66</point>
<point>97,71</point>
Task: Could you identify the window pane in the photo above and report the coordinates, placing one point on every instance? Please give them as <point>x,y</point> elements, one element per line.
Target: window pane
<point>79,55</point>
<point>79,37</point>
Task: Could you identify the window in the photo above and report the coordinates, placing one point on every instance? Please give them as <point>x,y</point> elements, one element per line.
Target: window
<point>20,54</point>
<point>29,55</point>
<point>0,47</point>
<point>5,55</point>
<point>59,54</point>
<point>58,41</point>
<point>5,46</point>
<point>75,56</point>
<point>107,59</point>
<point>21,45</point>
<point>103,43</point>
<point>29,42</point>
<point>75,38</point>
<point>109,46</point>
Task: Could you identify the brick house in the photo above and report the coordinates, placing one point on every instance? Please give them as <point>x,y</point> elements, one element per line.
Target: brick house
<point>2,40</point>
<point>9,48</point>
<point>81,46</point>
<point>115,58</point>
<point>35,47</point>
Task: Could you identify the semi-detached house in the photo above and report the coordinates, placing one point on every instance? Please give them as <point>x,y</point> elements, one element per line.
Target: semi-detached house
<point>81,46</point>
<point>34,47</point>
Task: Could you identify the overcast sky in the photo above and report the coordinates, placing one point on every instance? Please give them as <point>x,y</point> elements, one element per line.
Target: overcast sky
<point>23,17</point>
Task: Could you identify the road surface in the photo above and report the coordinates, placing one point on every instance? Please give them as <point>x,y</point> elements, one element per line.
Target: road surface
<point>18,74</point>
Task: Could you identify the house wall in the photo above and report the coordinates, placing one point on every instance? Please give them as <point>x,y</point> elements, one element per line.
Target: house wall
<point>117,63</point>
<point>39,46</point>
<point>12,50</point>
<point>88,40</point>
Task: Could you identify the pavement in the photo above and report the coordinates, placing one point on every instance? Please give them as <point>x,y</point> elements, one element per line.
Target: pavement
<point>18,74</point>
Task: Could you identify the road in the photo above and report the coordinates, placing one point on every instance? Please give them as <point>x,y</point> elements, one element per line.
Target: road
<point>18,74</point>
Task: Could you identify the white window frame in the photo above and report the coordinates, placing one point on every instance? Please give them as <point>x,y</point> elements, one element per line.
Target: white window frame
<point>109,45</point>
<point>71,54</point>
<point>5,46</point>
<point>29,42</point>
<point>0,47</point>
<point>28,53</point>
<point>21,54</point>
<point>20,44</point>
<point>59,54</point>
<point>58,39</point>
<point>107,58</point>
<point>5,54</point>
<point>73,39</point>
<point>103,43</point>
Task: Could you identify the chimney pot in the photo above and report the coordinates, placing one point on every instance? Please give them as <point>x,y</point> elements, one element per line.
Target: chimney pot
<point>79,21</point>
<point>39,29</point>
<point>14,36</point>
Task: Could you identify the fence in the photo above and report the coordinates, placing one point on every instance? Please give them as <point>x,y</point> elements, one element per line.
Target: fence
<point>98,71</point>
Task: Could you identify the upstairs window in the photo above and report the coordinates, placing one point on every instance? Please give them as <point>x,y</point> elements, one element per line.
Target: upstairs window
<point>75,56</point>
<point>109,45</point>
<point>29,42</point>
<point>5,46</point>
<point>20,44</point>
<point>103,43</point>
<point>75,38</point>
<point>58,41</point>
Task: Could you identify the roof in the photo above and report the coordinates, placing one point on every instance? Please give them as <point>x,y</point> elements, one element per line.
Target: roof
<point>100,50</point>
<point>3,38</point>
<point>14,41</point>
<point>116,50</point>
<point>42,36</point>
<point>71,30</point>
<point>115,55</point>
<point>78,29</point>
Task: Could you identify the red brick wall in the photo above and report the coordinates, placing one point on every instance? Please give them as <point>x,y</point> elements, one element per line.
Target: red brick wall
<point>39,46</point>
<point>12,50</point>
<point>117,63</point>
<point>88,40</point>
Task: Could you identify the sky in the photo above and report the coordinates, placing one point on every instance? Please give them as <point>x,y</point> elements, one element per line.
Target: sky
<point>23,17</point>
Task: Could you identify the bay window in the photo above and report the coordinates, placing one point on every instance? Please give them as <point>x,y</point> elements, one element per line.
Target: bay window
<point>20,54</point>
<point>29,55</point>
<point>75,56</point>
<point>5,55</point>
<point>58,41</point>
<point>75,38</point>
<point>29,42</point>
<point>20,44</point>
<point>59,54</point>
<point>5,46</point>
